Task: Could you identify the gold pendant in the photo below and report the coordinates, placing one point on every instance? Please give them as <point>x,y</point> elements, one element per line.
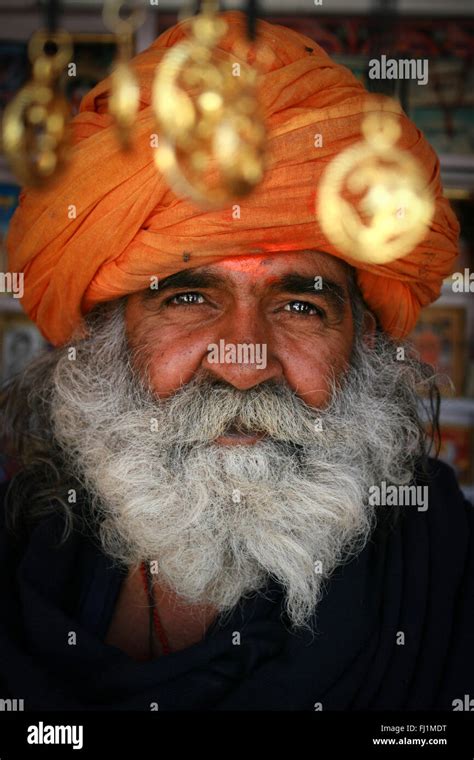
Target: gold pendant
<point>393,216</point>
<point>211,132</point>
<point>34,129</point>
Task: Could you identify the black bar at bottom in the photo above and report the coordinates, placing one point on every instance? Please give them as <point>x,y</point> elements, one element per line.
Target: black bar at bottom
<point>142,735</point>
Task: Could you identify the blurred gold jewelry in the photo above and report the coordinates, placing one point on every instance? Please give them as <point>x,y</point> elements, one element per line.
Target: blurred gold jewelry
<point>212,135</point>
<point>34,129</point>
<point>124,98</point>
<point>398,206</point>
<point>114,21</point>
<point>45,66</point>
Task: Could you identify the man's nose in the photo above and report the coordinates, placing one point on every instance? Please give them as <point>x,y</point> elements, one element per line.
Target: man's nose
<point>241,353</point>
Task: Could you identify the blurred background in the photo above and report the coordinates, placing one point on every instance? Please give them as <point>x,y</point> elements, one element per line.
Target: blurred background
<point>353,32</point>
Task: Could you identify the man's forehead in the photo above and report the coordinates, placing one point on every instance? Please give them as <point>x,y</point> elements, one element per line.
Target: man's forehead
<point>267,267</point>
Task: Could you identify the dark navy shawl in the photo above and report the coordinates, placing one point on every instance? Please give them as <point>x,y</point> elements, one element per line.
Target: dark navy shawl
<point>415,578</point>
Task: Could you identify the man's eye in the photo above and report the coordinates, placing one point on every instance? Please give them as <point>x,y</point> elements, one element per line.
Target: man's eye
<point>304,308</point>
<point>186,299</point>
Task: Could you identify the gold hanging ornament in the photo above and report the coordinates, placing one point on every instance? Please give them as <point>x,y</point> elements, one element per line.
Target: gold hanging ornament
<point>212,135</point>
<point>397,208</point>
<point>124,98</point>
<point>34,129</point>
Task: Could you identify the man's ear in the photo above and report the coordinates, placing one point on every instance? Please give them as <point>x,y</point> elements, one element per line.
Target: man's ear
<point>369,326</point>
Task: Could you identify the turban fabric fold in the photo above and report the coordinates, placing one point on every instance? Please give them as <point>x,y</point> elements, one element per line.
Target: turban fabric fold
<point>111,221</point>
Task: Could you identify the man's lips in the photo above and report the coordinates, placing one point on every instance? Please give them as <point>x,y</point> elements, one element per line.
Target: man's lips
<point>236,437</point>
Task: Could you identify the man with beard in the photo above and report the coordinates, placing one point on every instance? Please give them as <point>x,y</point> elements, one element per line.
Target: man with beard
<point>186,532</point>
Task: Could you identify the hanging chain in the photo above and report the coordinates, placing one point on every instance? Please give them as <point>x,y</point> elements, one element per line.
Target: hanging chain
<point>125,92</point>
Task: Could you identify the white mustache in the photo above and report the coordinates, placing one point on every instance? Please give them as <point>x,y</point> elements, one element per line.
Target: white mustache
<point>271,409</point>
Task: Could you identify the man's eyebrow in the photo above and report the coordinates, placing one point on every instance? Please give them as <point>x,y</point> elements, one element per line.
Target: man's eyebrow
<point>289,283</point>
<point>319,285</point>
<point>188,278</point>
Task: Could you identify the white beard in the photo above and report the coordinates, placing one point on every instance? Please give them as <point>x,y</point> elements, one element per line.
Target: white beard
<point>219,521</point>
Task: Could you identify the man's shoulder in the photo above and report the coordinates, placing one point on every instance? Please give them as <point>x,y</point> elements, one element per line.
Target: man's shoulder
<point>11,536</point>
<point>442,507</point>
<point>4,485</point>
<point>17,519</point>
<point>438,470</point>
<point>443,487</point>
<point>432,505</point>
<point>11,541</point>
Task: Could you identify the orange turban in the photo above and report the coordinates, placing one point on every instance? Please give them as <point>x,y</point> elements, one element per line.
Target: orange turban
<point>129,225</point>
